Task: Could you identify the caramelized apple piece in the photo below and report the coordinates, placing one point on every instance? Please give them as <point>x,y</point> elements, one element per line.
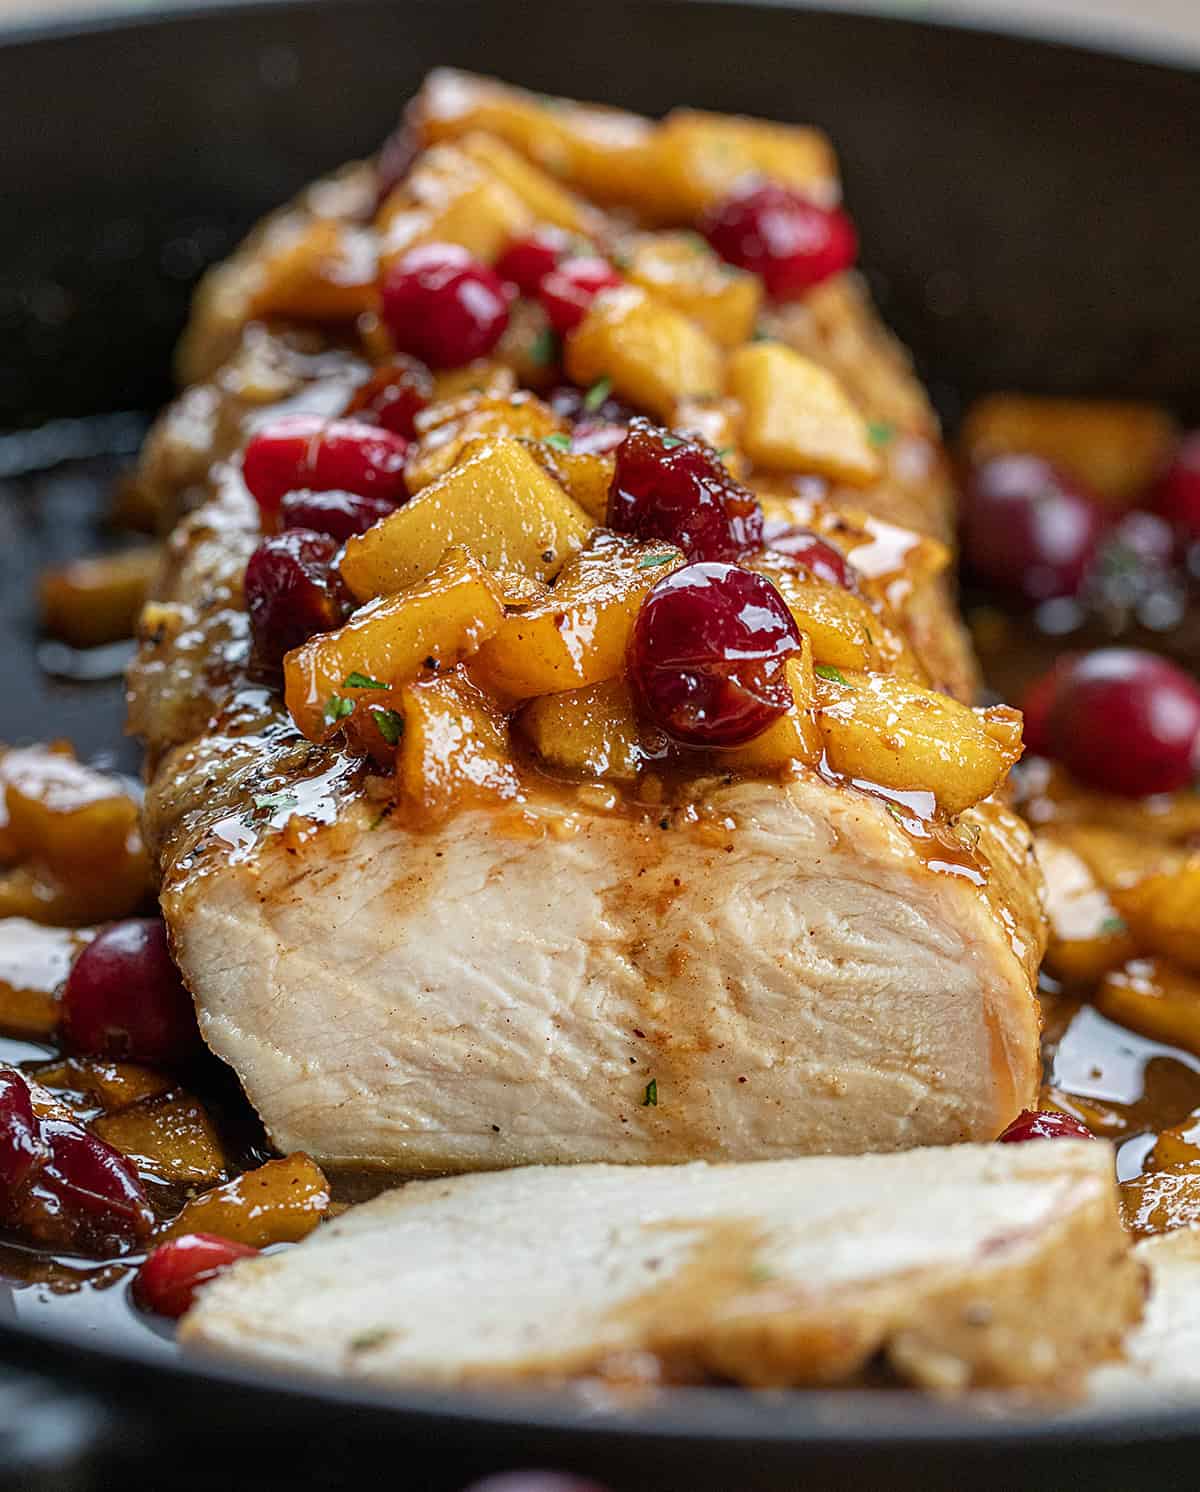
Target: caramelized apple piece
<point>112,1086</point>
<point>1163,913</point>
<point>797,417</point>
<point>34,962</point>
<point>1178,1145</point>
<point>440,619</point>
<point>701,157</point>
<point>579,634</point>
<point>845,632</point>
<point>97,600</point>
<point>497,502</point>
<point>653,355</point>
<point>1150,996</point>
<point>586,477</point>
<point>448,197</point>
<point>445,429</point>
<point>682,270</point>
<point>325,271</point>
<point>888,731</point>
<point>1087,935</point>
<point>1162,1200</point>
<point>454,749</point>
<point>794,737</point>
<point>546,199</point>
<point>170,1137</point>
<point>280,1202</point>
<point>591,732</point>
<point>482,376</point>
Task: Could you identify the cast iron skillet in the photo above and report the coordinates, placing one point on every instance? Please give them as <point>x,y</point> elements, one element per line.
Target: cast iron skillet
<point>1030,212</point>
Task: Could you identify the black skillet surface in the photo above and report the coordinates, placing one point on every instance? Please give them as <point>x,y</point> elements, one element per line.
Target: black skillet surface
<point>1030,212</point>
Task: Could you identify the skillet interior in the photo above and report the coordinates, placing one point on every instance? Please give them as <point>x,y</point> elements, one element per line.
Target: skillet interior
<point>1029,212</point>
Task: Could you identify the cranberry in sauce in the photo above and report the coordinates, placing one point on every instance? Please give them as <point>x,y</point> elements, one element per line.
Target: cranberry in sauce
<point>22,1148</point>
<point>92,1191</point>
<point>167,1282</point>
<point>782,236</point>
<point>665,487</point>
<point>124,998</point>
<point>807,551</point>
<point>443,305</point>
<point>1030,528</point>
<point>292,592</point>
<point>1126,721</point>
<point>1036,704</point>
<point>528,261</point>
<point>394,396</point>
<point>338,514</point>
<point>708,653</point>
<point>305,451</point>
<point>1177,496</point>
<point>1044,1124</point>
<point>567,292</point>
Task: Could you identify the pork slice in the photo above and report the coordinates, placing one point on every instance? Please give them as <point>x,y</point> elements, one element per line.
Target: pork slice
<point>971,1266</point>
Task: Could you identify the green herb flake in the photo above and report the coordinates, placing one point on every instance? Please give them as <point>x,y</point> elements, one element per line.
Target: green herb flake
<point>895,810</point>
<point>827,671</point>
<point>669,442</point>
<point>759,1274</point>
<point>597,394</point>
<point>389,724</point>
<point>761,334</point>
<point>337,708</point>
<point>652,561</point>
<point>650,1098</point>
<point>724,452</point>
<point>621,259</point>
<point>695,242</point>
<point>544,349</point>
<point>1114,925</point>
<point>273,802</point>
<point>880,432</point>
<point>366,1340</point>
<point>384,813</point>
<point>559,442</point>
<point>358,680</point>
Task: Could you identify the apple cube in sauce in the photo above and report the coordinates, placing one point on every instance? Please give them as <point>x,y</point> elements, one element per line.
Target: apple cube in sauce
<point>454,749</point>
<point>448,197</point>
<point>546,200</point>
<point>445,429</point>
<point>591,732</point>
<point>1163,913</point>
<point>329,271</point>
<point>653,355</point>
<point>845,632</point>
<point>65,813</point>
<point>170,1136</point>
<point>888,731</point>
<point>484,375</point>
<point>702,157</point>
<point>1087,937</point>
<point>579,634</point>
<point>1150,996</point>
<point>585,476</point>
<point>681,269</point>
<point>794,737</point>
<point>443,617</point>
<point>715,422</point>
<point>279,1202</point>
<point>797,416</point>
<point>497,502</point>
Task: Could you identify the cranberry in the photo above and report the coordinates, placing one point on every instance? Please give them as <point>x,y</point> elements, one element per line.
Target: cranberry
<point>805,550</point>
<point>124,998</point>
<point>1044,1124</point>
<point>167,1282</point>
<point>788,240</point>
<point>22,1148</point>
<point>1030,528</point>
<point>534,1481</point>
<point>1037,703</point>
<point>707,655</point>
<point>567,292</point>
<point>1126,721</point>
<point>528,261</point>
<point>305,451</point>
<point>444,306</point>
<point>94,1189</point>
<point>292,592</point>
<point>394,396</point>
<point>676,490</point>
<point>338,514</point>
<point>1177,496</point>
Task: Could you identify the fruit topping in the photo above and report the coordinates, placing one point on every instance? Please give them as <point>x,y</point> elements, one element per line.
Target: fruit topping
<point>292,591</point>
<point>305,452</point>
<point>443,305</point>
<point>124,998</point>
<point>787,239</point>
<point>167,1282</point>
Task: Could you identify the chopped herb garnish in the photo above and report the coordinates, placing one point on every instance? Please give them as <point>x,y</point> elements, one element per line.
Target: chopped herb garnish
<point>543,350</point>
<point>621,259</point>
<point>1114,925</point>
<point>650,1100</point>
<point>337,708</point>
<point>723,452</point>
<point>368,1339</point>
<point>880,432</point>
<point>761,334</point>
<point>390,725</point>
<point>272,802</point>
<point>358,680</point>
<point>652,561</point>
<point>384,812</point>
<point>695,242</point>
<point>597,394</point>
<point>669,442</point>
<point>827,671</point>
<point>759,1274</point>
<point>895,810</point>
<point>559,442</point>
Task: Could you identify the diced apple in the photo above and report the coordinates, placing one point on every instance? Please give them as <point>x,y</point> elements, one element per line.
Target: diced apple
<point>1163,913</point>
<point>547,201</point>
<point>715,422</point>
<point>448,197</point>
<point>98,599</point>
<point>702,157</point>
<point>482,376</point>
<point>591,732</point>
<point>170,1136</point>
<point>797,416</point>
<point>586,477</point>
<point>887,731</point>
<point>445,617</point>
<point>794,737</point>
<point>454,750</point>
<point>653,355</point>
<point>682,270</point>
<point>446,428</point>
<point>497,502</point>
<point>845,632</point>
<point>1087,936</point>
<point>279,1202</point>
<point>579,634</point>
<point>1149,996</point>
<point>63,812</point>
<point>328,272</point>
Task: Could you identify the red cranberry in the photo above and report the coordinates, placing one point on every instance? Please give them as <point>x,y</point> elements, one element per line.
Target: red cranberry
<point>338,514</point>
<point>791,242</point>
<point>124,998</point>
<point>1037,703</point>
<point>292,592</point>
<point>1029,528</point>
<point>1044,1124</point>
<point>444,306</point>
<point>394,396</point>
<point>805,550</point>
<point>22,1148</point>
<point>567,292</point>
<point>534,1481</point>
<point>94,1189</point>
<point>708,653</point>
<point>1126,722</point>
<point>305,451</point>
<point>528,261</point>
<point>167,1282</point>
<point>676,490</point>
<point>1177,496</point>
